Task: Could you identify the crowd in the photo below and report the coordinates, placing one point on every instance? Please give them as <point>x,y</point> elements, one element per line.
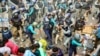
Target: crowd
<point>62,21</point>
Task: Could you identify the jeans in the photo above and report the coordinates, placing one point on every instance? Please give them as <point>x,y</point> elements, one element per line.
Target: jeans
<point>67,40</point>
<point>30,35</point>
<point>71,50</point>
<point>31,19</point>
<point>49,35</point>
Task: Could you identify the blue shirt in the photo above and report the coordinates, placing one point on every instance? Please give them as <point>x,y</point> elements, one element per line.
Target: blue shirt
<point>28,53</point>
<point>31,29</point>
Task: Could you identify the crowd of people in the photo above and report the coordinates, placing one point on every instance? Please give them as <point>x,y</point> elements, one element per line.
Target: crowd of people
<point>62,21</point>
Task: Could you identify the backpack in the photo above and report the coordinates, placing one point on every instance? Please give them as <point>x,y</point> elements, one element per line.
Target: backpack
<point>6,35</point>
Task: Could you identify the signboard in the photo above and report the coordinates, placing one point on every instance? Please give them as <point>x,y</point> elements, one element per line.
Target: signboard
<point>4,22</point>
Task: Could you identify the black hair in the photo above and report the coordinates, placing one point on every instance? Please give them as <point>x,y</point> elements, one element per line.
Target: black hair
<point>32,47</point>
<point>53,54</point>
<point>5,40</point>
<point>21,50</point>
<point>15,15</point>
<point>55,49</point>
<point>49,15</point>
<point>1,54</point>
<point>5,28</point>
<point>2,44</point>
<point>37,45</point>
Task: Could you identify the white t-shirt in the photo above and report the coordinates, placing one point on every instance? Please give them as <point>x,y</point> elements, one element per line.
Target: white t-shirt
<point>5,49</point>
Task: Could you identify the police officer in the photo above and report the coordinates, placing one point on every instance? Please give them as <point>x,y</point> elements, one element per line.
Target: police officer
<point>48,25</point>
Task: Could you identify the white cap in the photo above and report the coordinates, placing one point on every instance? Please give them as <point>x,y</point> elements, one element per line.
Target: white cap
<point>21,9</point>
<point>62,1</point>
<point>34,23</point>
<point>67,15</point>
<point>54,11</point>
<point>50,1</point>
<point>15,11</point>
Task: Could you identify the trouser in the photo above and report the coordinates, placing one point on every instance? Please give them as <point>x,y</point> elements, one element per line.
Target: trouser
<point>67,39</point>
<point>49,35</point>
<point>31,37</point>
<point>71,50</point>
<point>97,42</point>
<point>19,27</point>
<point>66,43</point>
<point>31,19</point>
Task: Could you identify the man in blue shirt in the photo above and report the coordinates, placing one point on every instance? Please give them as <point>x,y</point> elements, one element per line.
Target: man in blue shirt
<point>31,30</point>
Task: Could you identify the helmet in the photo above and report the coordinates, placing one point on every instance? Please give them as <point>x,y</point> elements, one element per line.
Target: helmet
<point>15,15</point>
<point>77,36</point>
<point>34,23</point>
<point>13,8</point>
<point>22,9</point>
<point>16,11</point>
